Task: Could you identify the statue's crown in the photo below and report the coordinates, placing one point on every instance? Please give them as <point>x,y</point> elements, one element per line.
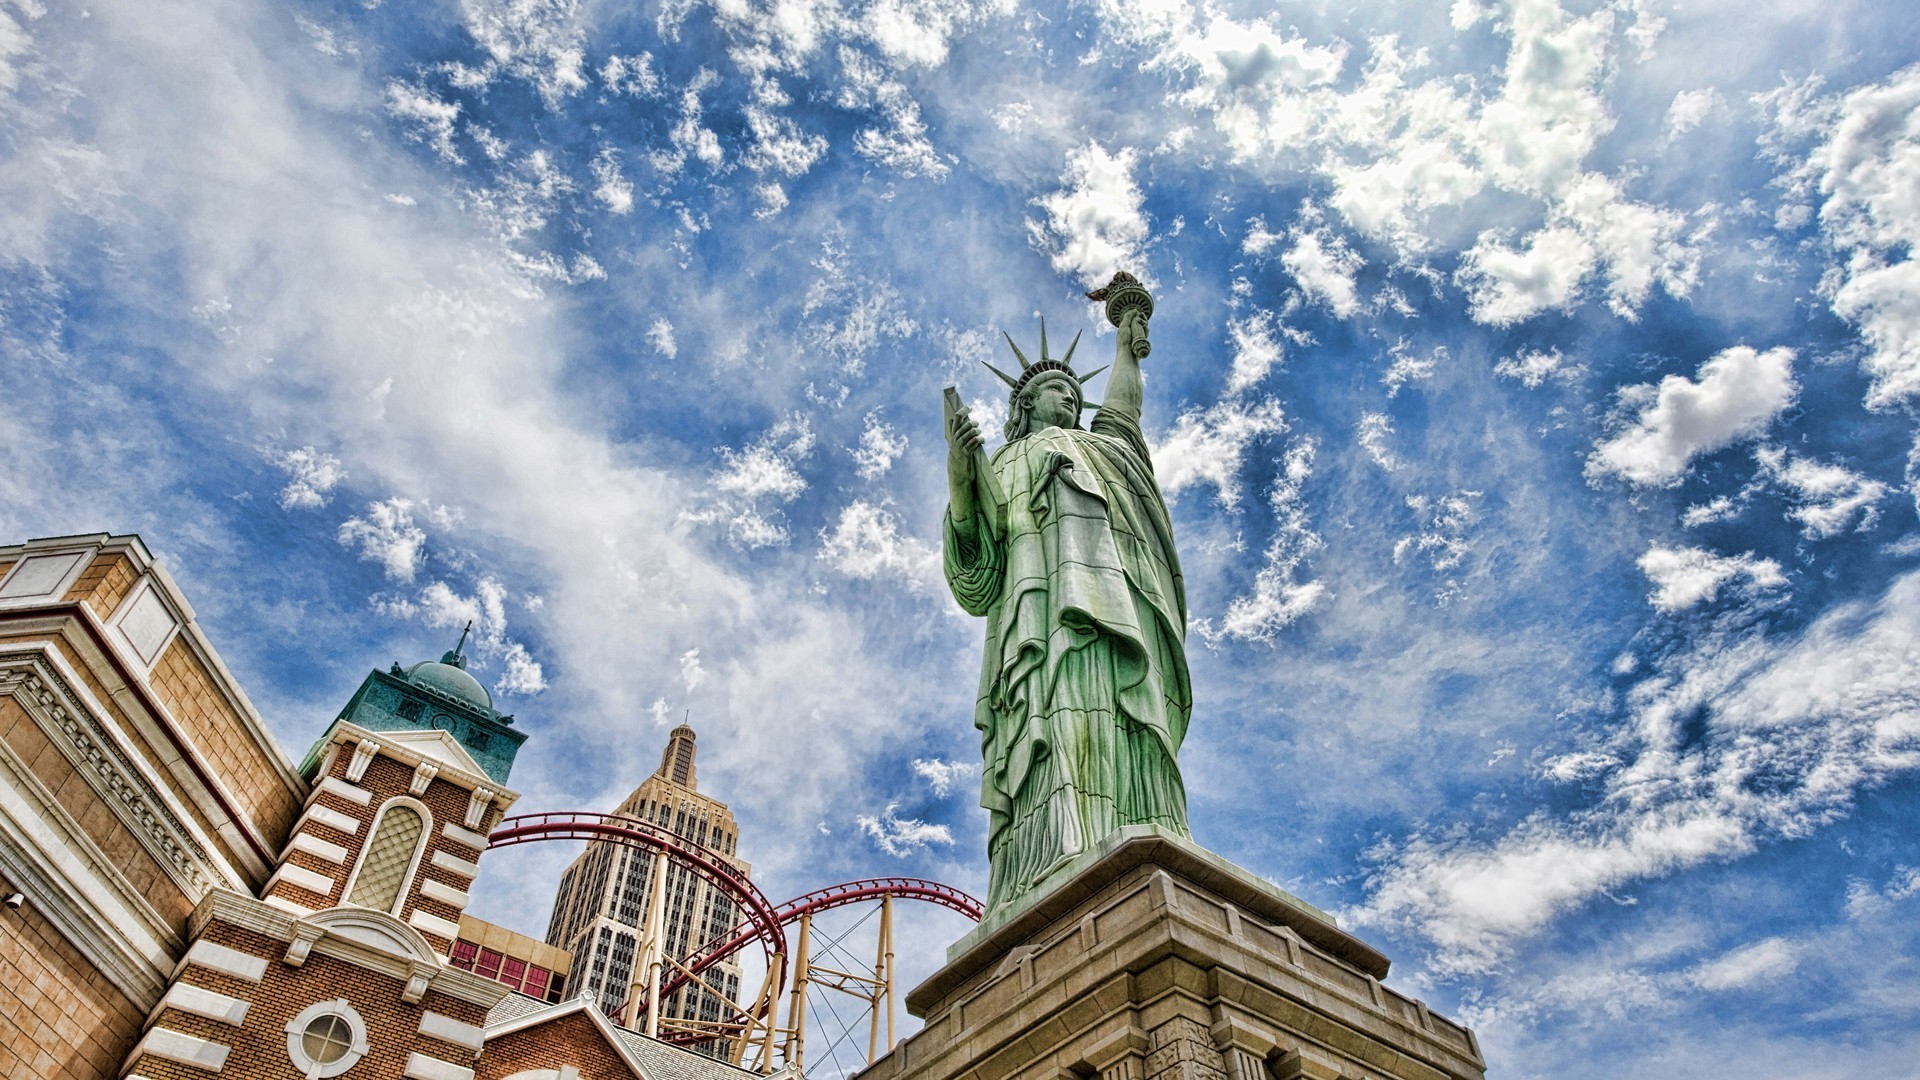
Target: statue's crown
<point>1033,369</point>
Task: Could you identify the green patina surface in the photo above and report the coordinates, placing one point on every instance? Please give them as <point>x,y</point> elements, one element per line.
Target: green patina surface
<point>1084,694</point>
<point>432,696</point>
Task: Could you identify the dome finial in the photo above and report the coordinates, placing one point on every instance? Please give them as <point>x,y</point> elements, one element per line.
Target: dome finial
<point>457,658</point>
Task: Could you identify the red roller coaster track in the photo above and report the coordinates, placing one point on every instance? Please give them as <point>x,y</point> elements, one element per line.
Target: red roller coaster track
<point>764,921</point>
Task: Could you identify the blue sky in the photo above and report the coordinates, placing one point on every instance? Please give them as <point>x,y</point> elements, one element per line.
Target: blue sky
<point>1535,386</point>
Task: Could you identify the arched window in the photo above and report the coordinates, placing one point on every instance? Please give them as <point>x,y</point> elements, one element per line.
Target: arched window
<point>386,865</point>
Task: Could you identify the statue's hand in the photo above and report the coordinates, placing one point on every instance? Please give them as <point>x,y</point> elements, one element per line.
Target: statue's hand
<point>963,438</point>
<point>1132,332</point>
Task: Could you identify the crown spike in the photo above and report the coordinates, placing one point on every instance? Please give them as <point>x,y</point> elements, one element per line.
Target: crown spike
<point>1083,378</point>
<point>1004,377</point>
<point>1072,345</point>
<point>1043,340</point>
<point>1024,362</point>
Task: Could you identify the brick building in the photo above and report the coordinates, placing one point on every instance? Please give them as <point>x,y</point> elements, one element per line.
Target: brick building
<point>183,902</point>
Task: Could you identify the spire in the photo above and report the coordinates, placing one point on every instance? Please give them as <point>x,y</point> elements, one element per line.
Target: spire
<point>457,658</point>
<point>676,763</point>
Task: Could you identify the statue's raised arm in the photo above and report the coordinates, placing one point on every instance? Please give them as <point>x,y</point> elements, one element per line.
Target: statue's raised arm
<point>1084,696</point>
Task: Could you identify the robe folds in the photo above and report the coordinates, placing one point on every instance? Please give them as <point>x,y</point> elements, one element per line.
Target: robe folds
<point>1084,694</point>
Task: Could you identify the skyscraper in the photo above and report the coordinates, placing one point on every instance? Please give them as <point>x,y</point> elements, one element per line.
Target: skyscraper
<point>601,905</point>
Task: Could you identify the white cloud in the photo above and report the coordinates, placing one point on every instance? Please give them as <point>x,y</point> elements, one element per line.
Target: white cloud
<point>1208,446</point>
<point>613,189</point>
<point>766,469</point>
<point>1096,224</point>
<point>1738,393</point>
<point>1324,266</point>
<point>1278,599</point>
<point>539,41</point>
<point>1534,367</point>
<point>850,316</point>
<point>660,336</point>
<point>1746,966</point>
<point>1256,348</point>
<point>1867,166</point>
<point>692,675</point>
<point>312,476</point>
<point>440,606</point>
<point>1374,432</point>
<point>880,445</point>
<point>387,535</point>
<point>942,775</point>
<point>767,466</point>
<point>631,75</point>
<point>1788,731</point>
<point>1831,498</point>
<point>1683,577</point>
<point>899,836</point>
<point>902,144</point>
<point>1689,109</point>
<point>866,543</point>
<point>1407,367</point>
<point>430,119</point>
<point>1445,523</point>
<point>1719,508</point>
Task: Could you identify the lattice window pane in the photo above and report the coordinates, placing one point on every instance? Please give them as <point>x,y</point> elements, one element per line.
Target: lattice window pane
<point>383,872</point>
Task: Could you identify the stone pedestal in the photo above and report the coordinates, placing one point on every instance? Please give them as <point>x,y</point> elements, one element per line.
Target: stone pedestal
<point>1156,960</point>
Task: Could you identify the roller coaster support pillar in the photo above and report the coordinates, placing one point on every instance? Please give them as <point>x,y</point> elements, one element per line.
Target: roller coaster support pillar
<point>882,981</point>
<point>653,947</point>
<point>795,1052</point>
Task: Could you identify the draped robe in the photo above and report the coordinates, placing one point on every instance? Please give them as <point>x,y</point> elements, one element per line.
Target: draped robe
<point>1084,695</point>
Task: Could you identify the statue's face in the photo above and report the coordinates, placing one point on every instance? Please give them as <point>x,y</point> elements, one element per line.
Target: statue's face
<point>1056,403</point>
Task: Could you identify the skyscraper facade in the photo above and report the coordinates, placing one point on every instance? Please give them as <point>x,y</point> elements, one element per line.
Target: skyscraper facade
<point>601,906</point>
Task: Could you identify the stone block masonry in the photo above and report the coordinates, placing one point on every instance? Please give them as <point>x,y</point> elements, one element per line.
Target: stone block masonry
<point>1160,961</point>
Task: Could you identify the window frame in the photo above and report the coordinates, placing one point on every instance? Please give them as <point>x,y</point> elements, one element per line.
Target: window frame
<point>413,864</point>
<point>296,1035</point>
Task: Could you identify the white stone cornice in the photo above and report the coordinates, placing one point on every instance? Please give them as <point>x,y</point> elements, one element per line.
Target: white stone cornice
<point>41,682</point>
<point>77,888</point>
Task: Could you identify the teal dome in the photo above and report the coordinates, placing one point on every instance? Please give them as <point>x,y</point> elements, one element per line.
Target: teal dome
<point>451,681</point>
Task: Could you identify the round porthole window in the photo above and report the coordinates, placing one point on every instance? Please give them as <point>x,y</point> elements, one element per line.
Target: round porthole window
<point>326,1039</point>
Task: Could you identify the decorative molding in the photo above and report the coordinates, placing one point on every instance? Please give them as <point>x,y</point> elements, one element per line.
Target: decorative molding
<point>423,775</point>
<point>186,1049</point>
<point>324,850</point>
<point>429,923</point>
<point>198,1001</point>
<point>422,1067</point>
<point>464,837</point>
<point>304,935</point>
<point>66,566</point>
<point>227,961</point>
<point>77,888</point>
<point>331,818</point>
<point>298,911</point>
<point>134,798</point>
<point>145,623</point>
<point>333,785</point>
<point>455,865</point>
<point>299,876</point>
<point>477,807</point>
<point>446,894</point>
<point>447,1029</point>
<point>362,757</point>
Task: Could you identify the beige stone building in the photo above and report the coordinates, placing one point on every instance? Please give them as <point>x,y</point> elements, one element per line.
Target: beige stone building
<point>601,906</point>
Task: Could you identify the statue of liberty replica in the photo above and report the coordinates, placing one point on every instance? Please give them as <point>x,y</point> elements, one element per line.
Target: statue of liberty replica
<point>1113,947</point>
<point>1062,541</point>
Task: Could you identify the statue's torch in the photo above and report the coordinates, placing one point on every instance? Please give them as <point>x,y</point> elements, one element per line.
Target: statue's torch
<point>1122,295</point>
